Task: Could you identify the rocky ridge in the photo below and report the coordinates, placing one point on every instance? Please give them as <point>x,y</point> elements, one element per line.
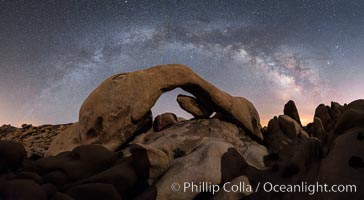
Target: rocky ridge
<point>36,139</point>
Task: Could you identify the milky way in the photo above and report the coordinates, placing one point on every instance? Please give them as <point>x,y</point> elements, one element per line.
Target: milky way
<point>54,53</point>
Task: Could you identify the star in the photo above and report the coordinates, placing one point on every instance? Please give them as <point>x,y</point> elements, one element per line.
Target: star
<point>52,55</point>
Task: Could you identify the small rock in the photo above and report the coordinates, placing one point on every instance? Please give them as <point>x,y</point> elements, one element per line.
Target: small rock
<point>192,106</point>
<point>290,109</point>
<point>164,121</point>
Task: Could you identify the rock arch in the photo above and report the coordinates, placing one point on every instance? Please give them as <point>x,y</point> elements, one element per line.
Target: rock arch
<point>121,105</point>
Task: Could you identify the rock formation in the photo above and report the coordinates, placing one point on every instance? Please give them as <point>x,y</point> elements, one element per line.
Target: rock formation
<point>317,130</point>
<point>67,140</point>
<point>120,107</point>
<point>192,106</point>
<point>290,110</point>
<point>133,156</point>
<point>36,139</point>
<point>352,116</point>
<point>329,115</point>
<point>164,121</point>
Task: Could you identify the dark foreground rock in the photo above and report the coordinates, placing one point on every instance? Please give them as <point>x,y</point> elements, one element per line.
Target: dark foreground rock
<point>290,110</point>
<point>11,155</point>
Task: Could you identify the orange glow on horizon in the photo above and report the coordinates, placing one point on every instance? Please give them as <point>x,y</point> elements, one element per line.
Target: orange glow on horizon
<point>18,123</point>
<point>305,119</point>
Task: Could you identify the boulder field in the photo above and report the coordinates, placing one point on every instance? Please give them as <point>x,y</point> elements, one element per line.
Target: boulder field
<point>118,150</point>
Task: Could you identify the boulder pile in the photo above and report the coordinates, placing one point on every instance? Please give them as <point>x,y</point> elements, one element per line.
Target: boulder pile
<point>36,139</point>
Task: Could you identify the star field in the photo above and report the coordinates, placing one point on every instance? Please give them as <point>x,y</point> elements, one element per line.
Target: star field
<point>54,53</point>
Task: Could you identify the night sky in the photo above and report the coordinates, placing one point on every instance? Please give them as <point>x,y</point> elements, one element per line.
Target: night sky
<point>54,53</point>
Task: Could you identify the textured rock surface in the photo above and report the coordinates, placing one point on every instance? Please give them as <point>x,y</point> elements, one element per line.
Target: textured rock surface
<point>344,164</point>
<point>120,106</point>
<point>329,115</point>
<point>164,121</point>
<point>186,136</point>
<point>36,139</point>
<point>290,127</point>
<point>352,116</point>
<point>318,130</point>
<point>192,106</point>
<point>294,157</point>
<point>66,141</point>
<point>212,162</point>
<point>203,164</point>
